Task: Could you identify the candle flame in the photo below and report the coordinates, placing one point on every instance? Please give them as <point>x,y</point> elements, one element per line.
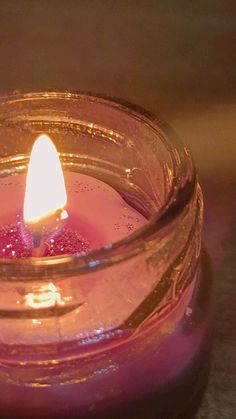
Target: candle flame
<point>45,186</point>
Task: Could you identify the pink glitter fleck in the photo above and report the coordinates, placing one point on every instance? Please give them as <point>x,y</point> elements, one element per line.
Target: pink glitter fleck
<point>67,242</point>
<point>130,227</point>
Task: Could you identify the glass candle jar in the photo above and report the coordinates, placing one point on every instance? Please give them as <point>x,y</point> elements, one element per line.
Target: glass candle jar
<point>123,330</point>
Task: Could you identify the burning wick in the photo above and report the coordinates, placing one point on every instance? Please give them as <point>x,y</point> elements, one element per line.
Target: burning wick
<point>45,193</point>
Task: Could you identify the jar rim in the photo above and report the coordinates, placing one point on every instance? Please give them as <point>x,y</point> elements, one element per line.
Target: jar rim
<point>179,197</point>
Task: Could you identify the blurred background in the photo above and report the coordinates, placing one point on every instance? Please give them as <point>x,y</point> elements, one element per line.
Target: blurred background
<point>176,58</point>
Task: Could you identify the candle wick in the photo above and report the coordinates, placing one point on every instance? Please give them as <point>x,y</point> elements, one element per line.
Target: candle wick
<point>37,242</point>
<point>50,224</point>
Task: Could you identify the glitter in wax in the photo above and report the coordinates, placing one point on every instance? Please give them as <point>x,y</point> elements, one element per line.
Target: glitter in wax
<point>13,245</point>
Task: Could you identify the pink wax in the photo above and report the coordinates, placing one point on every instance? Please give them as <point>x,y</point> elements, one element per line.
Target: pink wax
<point>163,366</point>
<point>109,370</point>
<point>98,215</point>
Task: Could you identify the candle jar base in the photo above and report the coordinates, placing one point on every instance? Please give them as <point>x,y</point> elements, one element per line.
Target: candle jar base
<point>181,398</point>
<point>174,398</point>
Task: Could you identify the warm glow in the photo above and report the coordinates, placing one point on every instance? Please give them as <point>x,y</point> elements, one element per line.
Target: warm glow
<point>45,186</point>
<point>44,297</point>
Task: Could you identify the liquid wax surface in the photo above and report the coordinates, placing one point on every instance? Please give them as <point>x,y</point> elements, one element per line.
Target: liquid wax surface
<point>98,215</point>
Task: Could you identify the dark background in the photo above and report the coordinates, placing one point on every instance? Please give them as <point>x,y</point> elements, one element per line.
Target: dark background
<point>177,59</point>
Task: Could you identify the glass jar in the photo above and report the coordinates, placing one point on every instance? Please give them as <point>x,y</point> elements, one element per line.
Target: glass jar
<point>131,336</point>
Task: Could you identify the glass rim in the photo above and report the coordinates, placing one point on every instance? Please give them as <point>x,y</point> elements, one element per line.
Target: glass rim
<point>180,195</point>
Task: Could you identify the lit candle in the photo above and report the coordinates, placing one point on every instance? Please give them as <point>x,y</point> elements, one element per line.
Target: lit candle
<point>104,311</point>
<point>95,214</point>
